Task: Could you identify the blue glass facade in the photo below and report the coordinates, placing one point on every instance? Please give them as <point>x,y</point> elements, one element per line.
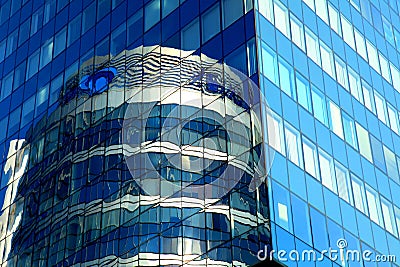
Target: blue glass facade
<point>133,132</point>
<point>330,70</point>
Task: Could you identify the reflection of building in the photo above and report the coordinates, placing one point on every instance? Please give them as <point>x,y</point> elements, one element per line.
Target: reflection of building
<point>142,167</point>
<point>71,191</point>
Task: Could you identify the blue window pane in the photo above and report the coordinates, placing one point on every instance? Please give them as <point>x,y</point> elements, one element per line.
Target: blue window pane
<point>301,219</point>
<point>210,23</point>
<point>286,78</point>
<point>237,59</point>
<point>3,126</point>
<point>190,36</point>
<point>135,27</point>
<point>303,92</point>
<point>168,6</point>
<point>377,152</point>
<point>318,225</point>
<point>232,10</point>
<point>151,14</point>
<point>269,63</point>
<point>281,204</point>
<point>319,106</point>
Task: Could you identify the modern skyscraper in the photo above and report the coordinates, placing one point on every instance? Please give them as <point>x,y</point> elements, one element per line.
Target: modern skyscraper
<point>199,132</point>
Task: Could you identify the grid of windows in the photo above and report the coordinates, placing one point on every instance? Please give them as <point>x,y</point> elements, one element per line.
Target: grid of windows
<point>349,134</point>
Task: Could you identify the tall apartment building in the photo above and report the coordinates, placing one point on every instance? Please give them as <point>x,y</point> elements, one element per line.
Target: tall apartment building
<point>199,132</point>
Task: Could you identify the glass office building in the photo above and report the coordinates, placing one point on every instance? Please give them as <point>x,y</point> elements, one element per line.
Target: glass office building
<point>137,133</point>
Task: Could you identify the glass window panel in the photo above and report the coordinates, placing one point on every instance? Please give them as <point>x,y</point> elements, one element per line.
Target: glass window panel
<point>397,218</point>
<point>364,142</point>
<point>292,138</point>
<point>319,106</point>
<point>343,182</point>
<point>61,4</point>
<point>349,131</point>
<point>248,5</point>
<point>310,3</point>
<point>334,19</point>
<point>88,17</point>
<point>251,56</point>
<point>231,11</point>
<point>115,3</point>
<point>397,38</point>
<point>395,77</point>
<point>393,119</point>
<point>360,44</point>
<point>5,12</point>
<point>33,64</point>
<point>348,35</point>
<point>191,36</point>
<point>3,125</point>
<point>118,40</point>
<point>36,21</point>
<point>168,6</point>
<point>327,60</point>
<point>46,53</point>
<point>301,219</point>
<point>326,170</point>
<point>42,97</point>
<point>355,85</point>
<point>373,56</point>
<point>151,14</point>
<point>303,92</point>
<point>312,46</point>
<point>391,165</point>
<point>281,206</point>
<point>387,28</point>
<point>237,59</point>
<point>373,205</point>
<point>103,8</point>
<point>19,75</point>
<point>356,4</point>
<point>14,121</point>
<point>55,89</point>
<point>49,10</point>
<point>388,217</point>
<point>286,78</point>
<point>6,86</point>
<point>275,132</point>
<point>265,9</point>
<point>23,33</point>
<point>320,8</point>
<point>380,107</point>
<point>297,32</point>
<point>336,119</point>
<point>368,97</point>
<point>28,109</point>
<point>12,42</point>
<point>135,26</point>
<point>384,67</point>
<point>269,63</point>
<point>2,50</point>
<point>377,153</point>
<point>341,73</point>
<point>359,194</point>
<point>281,18</point>
<point>60,41</point>
<point>211,23</point>
<point>310,158</point>
<point>74,30</point>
